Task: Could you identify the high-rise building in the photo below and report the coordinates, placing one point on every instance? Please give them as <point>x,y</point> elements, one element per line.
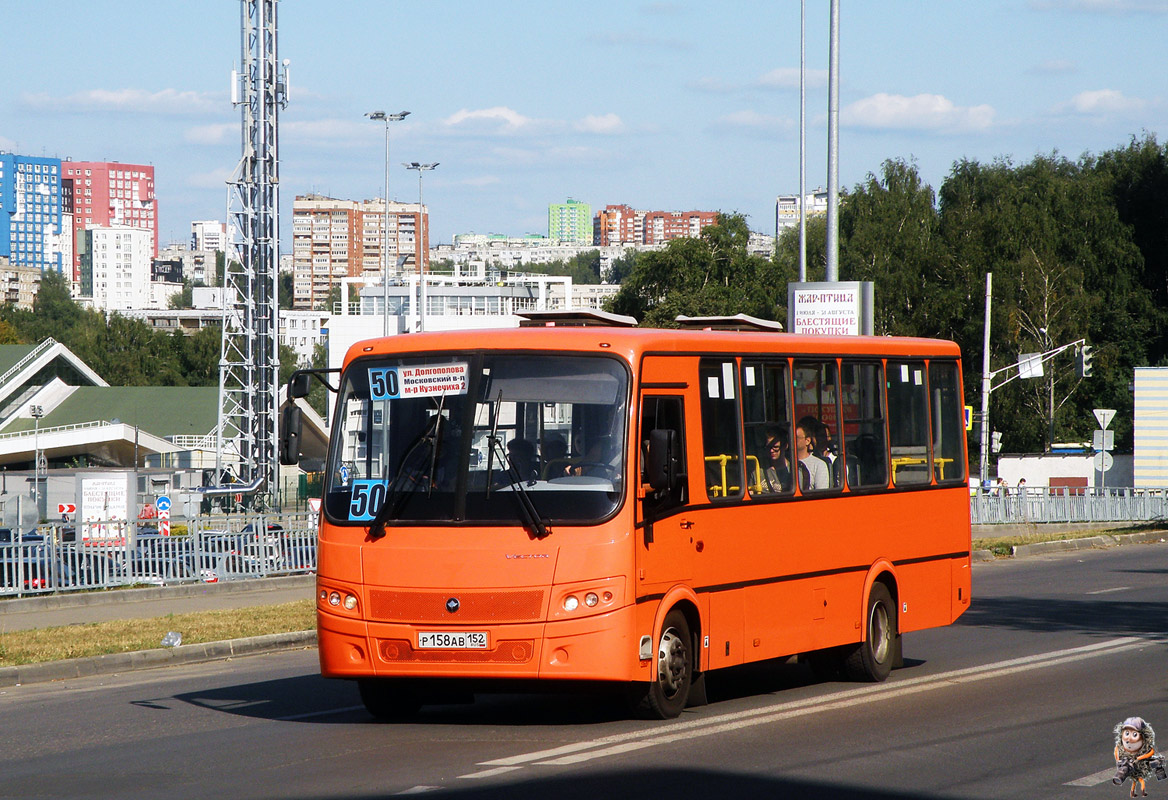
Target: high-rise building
<point>618,224</point>
<point>335,239</point>
<point>30,211</point>
<point>209,234</point>
<point>115,267</point>
<point>663,226</point>
<point>108,193</point>
<point>787,209</point>
<point>570,222</point>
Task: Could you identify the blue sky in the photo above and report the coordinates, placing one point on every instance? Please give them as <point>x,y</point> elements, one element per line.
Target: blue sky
<point>661,105</point>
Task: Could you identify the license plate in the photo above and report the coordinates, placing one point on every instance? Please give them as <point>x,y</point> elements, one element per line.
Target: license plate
<point>452,640</point>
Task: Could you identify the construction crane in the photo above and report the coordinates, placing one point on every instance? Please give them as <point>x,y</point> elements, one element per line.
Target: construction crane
<point>249,368</point>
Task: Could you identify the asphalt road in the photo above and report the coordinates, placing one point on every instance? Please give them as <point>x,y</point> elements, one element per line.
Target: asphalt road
<point>1017,699</point>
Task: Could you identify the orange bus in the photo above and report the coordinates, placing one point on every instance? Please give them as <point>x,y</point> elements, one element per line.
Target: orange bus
<point>634,506</point>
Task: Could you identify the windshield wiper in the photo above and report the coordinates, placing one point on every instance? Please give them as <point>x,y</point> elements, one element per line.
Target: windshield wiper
<point>527,508</point>
<point>392,503</point>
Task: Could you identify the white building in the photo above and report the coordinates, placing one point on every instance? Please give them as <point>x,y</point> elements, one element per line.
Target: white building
<point>210,234</point>
<point>787,209</point>
<point>115,270</point>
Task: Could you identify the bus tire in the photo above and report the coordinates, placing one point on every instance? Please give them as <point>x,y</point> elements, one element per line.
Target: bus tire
<point>387,699</point>
<point>873,658</point>
<point>667,695</point>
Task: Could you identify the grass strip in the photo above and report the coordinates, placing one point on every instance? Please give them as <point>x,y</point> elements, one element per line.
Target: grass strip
<point>124,636</point>
<point>1003,545</point>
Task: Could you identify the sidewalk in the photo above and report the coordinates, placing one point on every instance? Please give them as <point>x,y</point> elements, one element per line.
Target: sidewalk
<point>77,609</point>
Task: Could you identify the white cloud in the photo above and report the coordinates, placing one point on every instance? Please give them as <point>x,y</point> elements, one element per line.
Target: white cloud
<point>1055,66</point>
<point>928,112</point>
<point>166,101</point>
<point>505,120</point>
<point>753,122</point>
<point>1104,6</point>
<point>211,134</point>
<point>215,179</point>
<point>788,78</point>
<point>605,123</point>
<point>1103,101</point>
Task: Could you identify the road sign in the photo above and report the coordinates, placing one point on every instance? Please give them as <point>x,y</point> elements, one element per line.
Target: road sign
<point>1103,440</point>
<point>66,508</point>
<point>1104,415</point>
<point>1103,461</point>
<point>162,504</point>
<point>969,418</point>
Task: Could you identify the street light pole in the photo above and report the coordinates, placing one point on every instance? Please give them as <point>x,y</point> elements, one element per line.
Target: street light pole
<point>381,116</point>
<point>421,240</point>
<point>37,412</point>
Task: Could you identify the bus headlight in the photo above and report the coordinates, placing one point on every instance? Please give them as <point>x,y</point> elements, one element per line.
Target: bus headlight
<point>591,599</point>
<point>571,603</point>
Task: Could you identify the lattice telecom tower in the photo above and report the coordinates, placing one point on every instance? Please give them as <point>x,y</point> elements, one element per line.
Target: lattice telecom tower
<point>249,369</point>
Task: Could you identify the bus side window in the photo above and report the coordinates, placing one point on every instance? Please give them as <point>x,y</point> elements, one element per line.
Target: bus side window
<point>908,423</point>
<point>766,411</point>
<point>948,422</point>
<point>865,454</point>
<point>721,443</point>
<point>663,413</point>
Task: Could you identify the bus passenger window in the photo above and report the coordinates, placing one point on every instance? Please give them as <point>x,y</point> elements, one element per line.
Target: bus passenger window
<point>908,423</point>
<point>720,430</point>
<point>862,400</point>
<point>766,412</point>
<point>948,422</point>
<point>816,417</point>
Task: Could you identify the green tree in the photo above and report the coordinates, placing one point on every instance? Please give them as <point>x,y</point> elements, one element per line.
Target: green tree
<point>709,275</point>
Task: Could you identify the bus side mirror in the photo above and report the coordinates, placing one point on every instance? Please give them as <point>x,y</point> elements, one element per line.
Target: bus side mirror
<point>299,384</point>
<point>290,429</point>
<point>661,466</point>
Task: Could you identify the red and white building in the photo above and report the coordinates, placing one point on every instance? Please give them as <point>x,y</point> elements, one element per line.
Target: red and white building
<point>107,194</point>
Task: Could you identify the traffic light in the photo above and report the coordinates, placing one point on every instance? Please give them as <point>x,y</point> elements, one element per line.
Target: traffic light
<point>996,441</point>
<point>1083,362</point>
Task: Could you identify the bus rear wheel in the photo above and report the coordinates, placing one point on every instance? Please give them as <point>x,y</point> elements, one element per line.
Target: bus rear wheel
<point>667,694</point>
<point>387,699</point>
<point>873,658</point>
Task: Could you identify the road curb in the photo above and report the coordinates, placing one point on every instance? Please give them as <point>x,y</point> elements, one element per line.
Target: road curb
<point>1086,543</point>
<point>151,659</point>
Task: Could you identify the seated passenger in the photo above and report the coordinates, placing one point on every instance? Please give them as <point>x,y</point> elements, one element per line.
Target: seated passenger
<point>776,466</point>
<point>818,476</point>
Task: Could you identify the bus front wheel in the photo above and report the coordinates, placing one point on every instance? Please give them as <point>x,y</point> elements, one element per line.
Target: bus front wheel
<point>667,694</point>
<point>873,658</point>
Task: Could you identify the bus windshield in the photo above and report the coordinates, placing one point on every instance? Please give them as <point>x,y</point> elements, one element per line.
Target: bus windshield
<point>455,438</point>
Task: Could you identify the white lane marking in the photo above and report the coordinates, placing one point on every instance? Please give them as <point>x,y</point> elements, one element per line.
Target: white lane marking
<point>1109,591</point>
<point>1102,776</point>
<point>487,773</point>
<point>636,740</point>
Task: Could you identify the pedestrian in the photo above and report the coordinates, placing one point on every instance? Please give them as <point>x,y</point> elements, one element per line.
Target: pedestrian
<point>1022,486</point>
<point>1002,487</point>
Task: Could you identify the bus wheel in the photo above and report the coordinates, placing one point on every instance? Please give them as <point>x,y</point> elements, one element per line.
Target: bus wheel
<point>667,695</point>
<point>872,659</point>
<point>387,699</point>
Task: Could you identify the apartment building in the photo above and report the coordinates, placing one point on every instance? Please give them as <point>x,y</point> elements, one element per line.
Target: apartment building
<point>116,267</point>
<point>336,239</point>
<point>618,224</point>
<point>570,222</point>
<point>209,234</point>
<point>31,223</point>
<point>109,194</point>
<point>787,209</point>
<point>660,227</point>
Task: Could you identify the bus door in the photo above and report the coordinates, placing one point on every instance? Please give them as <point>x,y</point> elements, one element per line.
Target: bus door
<point>664,547</point>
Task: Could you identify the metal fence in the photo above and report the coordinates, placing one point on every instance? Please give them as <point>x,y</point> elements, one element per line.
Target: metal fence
<point>1070,505</point>
<point>55,559</point>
